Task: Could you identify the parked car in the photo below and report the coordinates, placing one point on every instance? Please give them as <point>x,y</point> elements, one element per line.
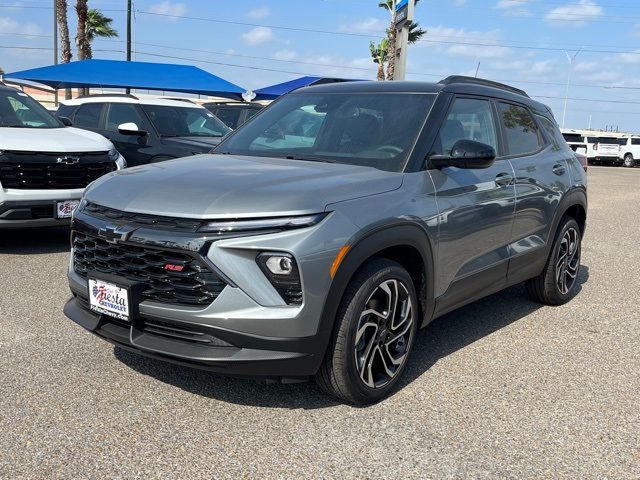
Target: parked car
<point>603,150</point>
<point>576,141</point>
<point>147,130</point>
<point>629,150</point>
<point>322,257</point>
<point>44,164</point>
<point>233,114</point>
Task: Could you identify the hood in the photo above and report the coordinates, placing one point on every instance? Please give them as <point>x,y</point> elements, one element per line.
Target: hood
<point>55,140</point>
<point>196,144</point>
<point>226,186</point>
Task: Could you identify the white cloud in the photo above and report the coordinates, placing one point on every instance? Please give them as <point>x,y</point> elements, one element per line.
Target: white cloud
<point>514,8</point>
<point>368,25</point>
<point>168,8</point>
<point>258,36</point>
<point>10,26</point>
<point>444,39</point>
<point>260,12</point>
<point>630,57</point>
<point>284,55</point>
<point>576,14</point>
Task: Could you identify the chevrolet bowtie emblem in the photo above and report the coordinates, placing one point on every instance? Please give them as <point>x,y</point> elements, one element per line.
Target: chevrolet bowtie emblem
<point>114,234</point>
<point>68,160</point>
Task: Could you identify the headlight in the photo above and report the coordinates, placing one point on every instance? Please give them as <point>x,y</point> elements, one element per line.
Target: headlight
<point>264,224</point>
<point>282,271</point>
<point>119,160</point>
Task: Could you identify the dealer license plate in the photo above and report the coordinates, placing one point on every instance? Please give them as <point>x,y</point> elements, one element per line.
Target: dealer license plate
<point>66,208</point>
<point>109,299</point>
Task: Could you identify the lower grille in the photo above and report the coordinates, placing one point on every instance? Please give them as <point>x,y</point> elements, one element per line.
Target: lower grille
<point>187,282</point>
<point>38,171</point>
<point>174,332</point>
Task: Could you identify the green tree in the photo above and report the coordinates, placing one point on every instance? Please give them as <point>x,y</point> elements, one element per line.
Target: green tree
<point>379,55</point>
<point>99,26</point>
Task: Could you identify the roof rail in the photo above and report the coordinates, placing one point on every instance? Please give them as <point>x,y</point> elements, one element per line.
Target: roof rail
<point>97,95</point>
<point>481,81</point>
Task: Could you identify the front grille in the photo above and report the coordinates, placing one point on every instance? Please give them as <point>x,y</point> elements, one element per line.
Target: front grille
<point>194,285</point>
<point>38,171</point>
<point>142,219</point>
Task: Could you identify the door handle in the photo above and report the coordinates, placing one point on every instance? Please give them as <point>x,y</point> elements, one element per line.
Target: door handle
<point>504,179</point>
<point>559,169</point>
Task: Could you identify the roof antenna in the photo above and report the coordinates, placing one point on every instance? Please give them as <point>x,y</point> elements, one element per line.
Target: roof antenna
<point>477,69</point>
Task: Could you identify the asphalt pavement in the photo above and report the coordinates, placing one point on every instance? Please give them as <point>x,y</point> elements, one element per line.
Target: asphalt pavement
<point>501,388</point>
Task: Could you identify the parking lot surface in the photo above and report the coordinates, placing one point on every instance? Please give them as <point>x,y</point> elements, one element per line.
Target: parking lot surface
<point>501,388</point>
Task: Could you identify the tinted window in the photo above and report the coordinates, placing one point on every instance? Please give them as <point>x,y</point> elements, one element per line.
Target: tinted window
<point>185,121</point>
<point>371,129</point>
<point>120,113</point>
<point>552,133</point>
<point>17,109</point>
<point>88,115</point>
<point>468,119</point>
<point>592,139</point>
<point>608,140</point>
<point>622,141</point>
<point>230,116</point>
<point>573,137</point>
<point>520,128</point>
<point>64,111</point>
<point>635,141</point>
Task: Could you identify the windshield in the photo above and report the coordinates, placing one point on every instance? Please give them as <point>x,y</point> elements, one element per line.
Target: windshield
<point>185,121</point>
<point>369,129</point>
<point>19,110</point>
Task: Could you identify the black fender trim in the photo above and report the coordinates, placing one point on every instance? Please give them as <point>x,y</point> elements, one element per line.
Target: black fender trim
<point>365,245</point>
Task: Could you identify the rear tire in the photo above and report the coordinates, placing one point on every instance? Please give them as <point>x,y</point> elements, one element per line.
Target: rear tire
<point>374,333</point>
<point>556,283</point>
<point>629,161</point>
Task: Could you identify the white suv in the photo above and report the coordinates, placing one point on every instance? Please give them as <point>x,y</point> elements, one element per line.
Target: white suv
<point>630,150</point>
<point>44,164</point>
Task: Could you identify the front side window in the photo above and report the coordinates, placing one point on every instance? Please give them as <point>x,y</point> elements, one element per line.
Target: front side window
<point>468,119</point>
<point>520,128</point>
<point>230,116</point>
<point>120,113</point>
<point>19,110</point>
<point>173,121</point>
<point>370,129</point>
<point>88,115</point>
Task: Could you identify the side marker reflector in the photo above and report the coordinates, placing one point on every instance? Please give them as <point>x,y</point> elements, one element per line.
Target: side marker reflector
<point>338,260</point>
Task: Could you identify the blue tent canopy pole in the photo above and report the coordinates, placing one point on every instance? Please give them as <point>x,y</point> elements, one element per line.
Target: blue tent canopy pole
<point>137,75</point>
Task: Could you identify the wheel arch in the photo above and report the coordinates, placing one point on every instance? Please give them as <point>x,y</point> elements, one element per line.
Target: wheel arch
<point>406,242</point>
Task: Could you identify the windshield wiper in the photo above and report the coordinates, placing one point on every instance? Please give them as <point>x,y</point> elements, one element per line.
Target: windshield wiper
<point>309,159</point>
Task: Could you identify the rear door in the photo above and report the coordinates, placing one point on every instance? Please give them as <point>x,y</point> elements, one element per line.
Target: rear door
<point>608,147</point>
<point>539,160</point>
<point>476,208</point>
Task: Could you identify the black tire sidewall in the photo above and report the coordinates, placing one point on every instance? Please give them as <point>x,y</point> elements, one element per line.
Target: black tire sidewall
<point>352,315</point>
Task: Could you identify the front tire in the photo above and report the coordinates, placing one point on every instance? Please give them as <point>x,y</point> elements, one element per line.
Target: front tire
<point>556,283</point>
<point>375,330</point>
<point>629,161</point>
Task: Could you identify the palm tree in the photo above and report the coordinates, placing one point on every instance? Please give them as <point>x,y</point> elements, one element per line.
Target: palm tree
<point>84,47</point>
<point>65,44</point>
<point>99,26</point>
<point>379,55</point>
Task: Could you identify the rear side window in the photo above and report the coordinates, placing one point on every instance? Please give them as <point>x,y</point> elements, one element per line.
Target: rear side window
<point>120,113</point>
<point>635,141</point>
<point>230,116</point>
<point>573,137</point>
<point>88,115</point>
<point>553,133</point>
<point>468,119</point>
<point>592,139</point>
<point>521,130</point>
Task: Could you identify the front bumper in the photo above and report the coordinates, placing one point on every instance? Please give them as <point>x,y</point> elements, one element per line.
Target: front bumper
<point>201,346</point>
<point>33,208</point>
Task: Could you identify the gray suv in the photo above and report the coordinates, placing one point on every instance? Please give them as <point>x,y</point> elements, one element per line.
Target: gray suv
<point>321,235</point>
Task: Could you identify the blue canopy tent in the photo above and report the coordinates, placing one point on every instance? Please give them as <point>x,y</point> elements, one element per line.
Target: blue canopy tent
<point>121,74</point>
<point>274,91</point>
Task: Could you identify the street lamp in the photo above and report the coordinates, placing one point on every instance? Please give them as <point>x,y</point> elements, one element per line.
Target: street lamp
<point>566,92</point>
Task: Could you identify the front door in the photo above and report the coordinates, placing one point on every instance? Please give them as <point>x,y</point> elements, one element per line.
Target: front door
<point>135,149</point>
<point>475,209</point>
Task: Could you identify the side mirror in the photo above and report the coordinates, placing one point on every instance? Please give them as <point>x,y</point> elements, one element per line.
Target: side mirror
<point>65,121</point>
<point>130,128</point>
<point>466,154</point>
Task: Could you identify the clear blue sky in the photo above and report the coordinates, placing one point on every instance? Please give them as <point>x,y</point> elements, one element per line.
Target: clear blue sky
<point>517,41</point>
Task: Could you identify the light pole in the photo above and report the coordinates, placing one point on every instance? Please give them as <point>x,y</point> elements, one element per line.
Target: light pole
<point>566,92</point>
<point>55,45</point>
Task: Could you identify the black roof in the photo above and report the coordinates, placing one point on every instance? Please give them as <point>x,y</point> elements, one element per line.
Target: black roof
<point>454,84</point>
